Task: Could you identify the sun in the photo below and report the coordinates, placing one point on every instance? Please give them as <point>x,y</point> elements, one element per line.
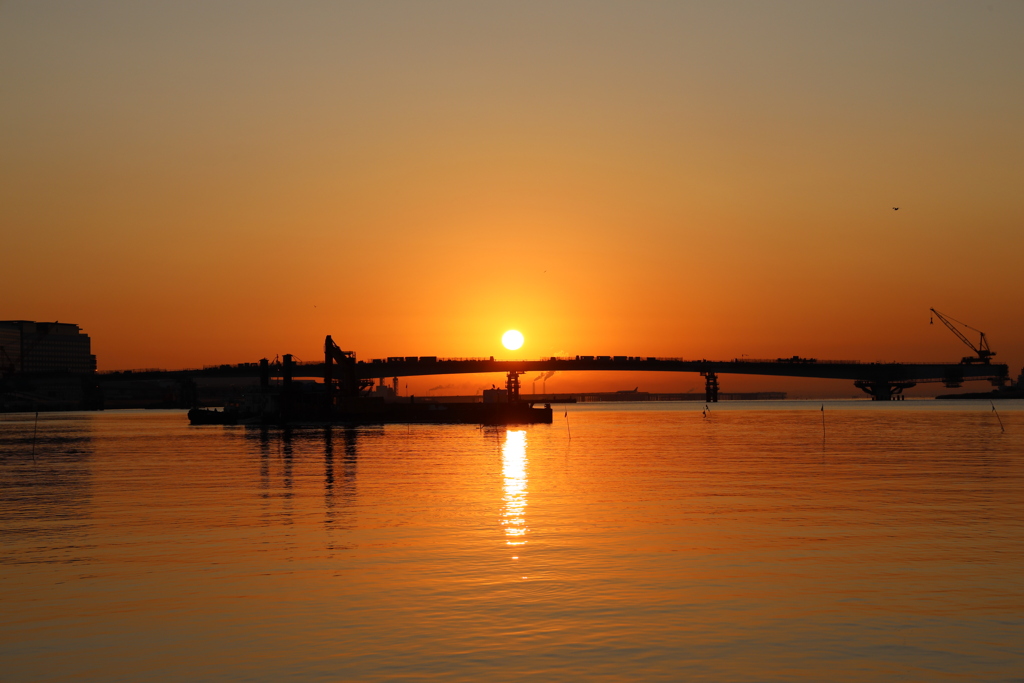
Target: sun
<point>512,340</point>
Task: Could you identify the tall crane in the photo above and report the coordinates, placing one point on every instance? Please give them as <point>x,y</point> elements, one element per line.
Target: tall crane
<point>984,353</point>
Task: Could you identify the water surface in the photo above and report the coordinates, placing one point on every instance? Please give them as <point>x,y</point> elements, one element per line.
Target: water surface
<point>624,542</point>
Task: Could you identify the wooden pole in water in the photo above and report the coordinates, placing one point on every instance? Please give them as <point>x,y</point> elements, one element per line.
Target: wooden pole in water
<point>35,430</point>
<point>567,425</point>
<point>1001,428</point>
<point>822,425</point>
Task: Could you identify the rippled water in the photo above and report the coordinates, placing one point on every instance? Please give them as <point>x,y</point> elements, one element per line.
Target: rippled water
<point>654,544</point>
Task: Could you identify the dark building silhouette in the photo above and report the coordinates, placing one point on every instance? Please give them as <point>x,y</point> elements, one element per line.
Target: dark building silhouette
<point>34,347</point>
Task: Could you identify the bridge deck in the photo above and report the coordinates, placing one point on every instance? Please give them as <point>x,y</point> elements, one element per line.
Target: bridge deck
<point>849,370</point>
<point>822,369</point>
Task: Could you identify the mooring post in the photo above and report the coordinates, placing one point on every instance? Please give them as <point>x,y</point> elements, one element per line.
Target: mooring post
<point>329,370</point>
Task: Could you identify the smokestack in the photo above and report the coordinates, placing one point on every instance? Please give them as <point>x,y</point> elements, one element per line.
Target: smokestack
<point>546,376</point>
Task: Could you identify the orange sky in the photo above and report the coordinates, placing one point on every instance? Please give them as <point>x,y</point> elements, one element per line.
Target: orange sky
<point>198,184</point>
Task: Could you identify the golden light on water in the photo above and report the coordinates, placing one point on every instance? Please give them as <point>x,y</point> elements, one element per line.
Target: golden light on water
<point>512,340</point>
<point>513,467</point>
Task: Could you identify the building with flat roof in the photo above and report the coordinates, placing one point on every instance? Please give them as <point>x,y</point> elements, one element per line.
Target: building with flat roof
<point>33,347</point>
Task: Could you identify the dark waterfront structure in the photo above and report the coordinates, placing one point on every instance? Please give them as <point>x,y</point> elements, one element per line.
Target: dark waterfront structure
<point>350,385</point>
<point>881,381</point>
<point>343,398</point>
<point>1009,391</point>
<point>33,347</point>
<point>46,366</point>
<point>346,379</point>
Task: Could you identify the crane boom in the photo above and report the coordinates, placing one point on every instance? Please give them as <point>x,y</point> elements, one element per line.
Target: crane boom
<point>984,353</point>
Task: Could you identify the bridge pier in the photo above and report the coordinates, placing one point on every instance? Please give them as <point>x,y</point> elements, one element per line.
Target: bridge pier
<point>512,385</point>
<point>710,387</point>
<point>287,370</point>
<point>883,390</point>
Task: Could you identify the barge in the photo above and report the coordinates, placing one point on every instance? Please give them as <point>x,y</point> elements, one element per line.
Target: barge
<point>370,411</point>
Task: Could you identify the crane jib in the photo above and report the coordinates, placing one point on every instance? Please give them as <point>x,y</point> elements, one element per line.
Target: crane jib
<point>981,349</point>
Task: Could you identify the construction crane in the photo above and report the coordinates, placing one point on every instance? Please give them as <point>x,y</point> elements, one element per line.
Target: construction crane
<point>984,353</point>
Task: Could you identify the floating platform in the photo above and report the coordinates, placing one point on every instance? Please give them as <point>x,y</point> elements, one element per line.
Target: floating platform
<point>379,412</point>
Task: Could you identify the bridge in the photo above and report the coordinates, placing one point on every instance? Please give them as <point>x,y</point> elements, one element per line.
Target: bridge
<point>344,374</point>
<point>882,381</point>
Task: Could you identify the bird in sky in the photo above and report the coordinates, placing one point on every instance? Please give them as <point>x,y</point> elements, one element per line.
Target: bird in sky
<point>895,208</point>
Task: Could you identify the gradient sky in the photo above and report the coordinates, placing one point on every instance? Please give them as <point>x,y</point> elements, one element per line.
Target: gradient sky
<point>200,183</point>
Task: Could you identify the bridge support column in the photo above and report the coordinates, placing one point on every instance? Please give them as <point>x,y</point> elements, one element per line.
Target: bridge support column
<point>287,369</point>
<point>710,387</point>
<point>512,385</point>
<point>883,390</point>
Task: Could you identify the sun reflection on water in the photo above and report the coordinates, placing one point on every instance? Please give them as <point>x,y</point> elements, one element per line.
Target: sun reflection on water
<point>513,466</point>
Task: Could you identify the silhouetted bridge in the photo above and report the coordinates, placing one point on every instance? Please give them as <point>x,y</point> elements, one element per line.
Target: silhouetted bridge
<point>882,381</point>
<point>345,376</point>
